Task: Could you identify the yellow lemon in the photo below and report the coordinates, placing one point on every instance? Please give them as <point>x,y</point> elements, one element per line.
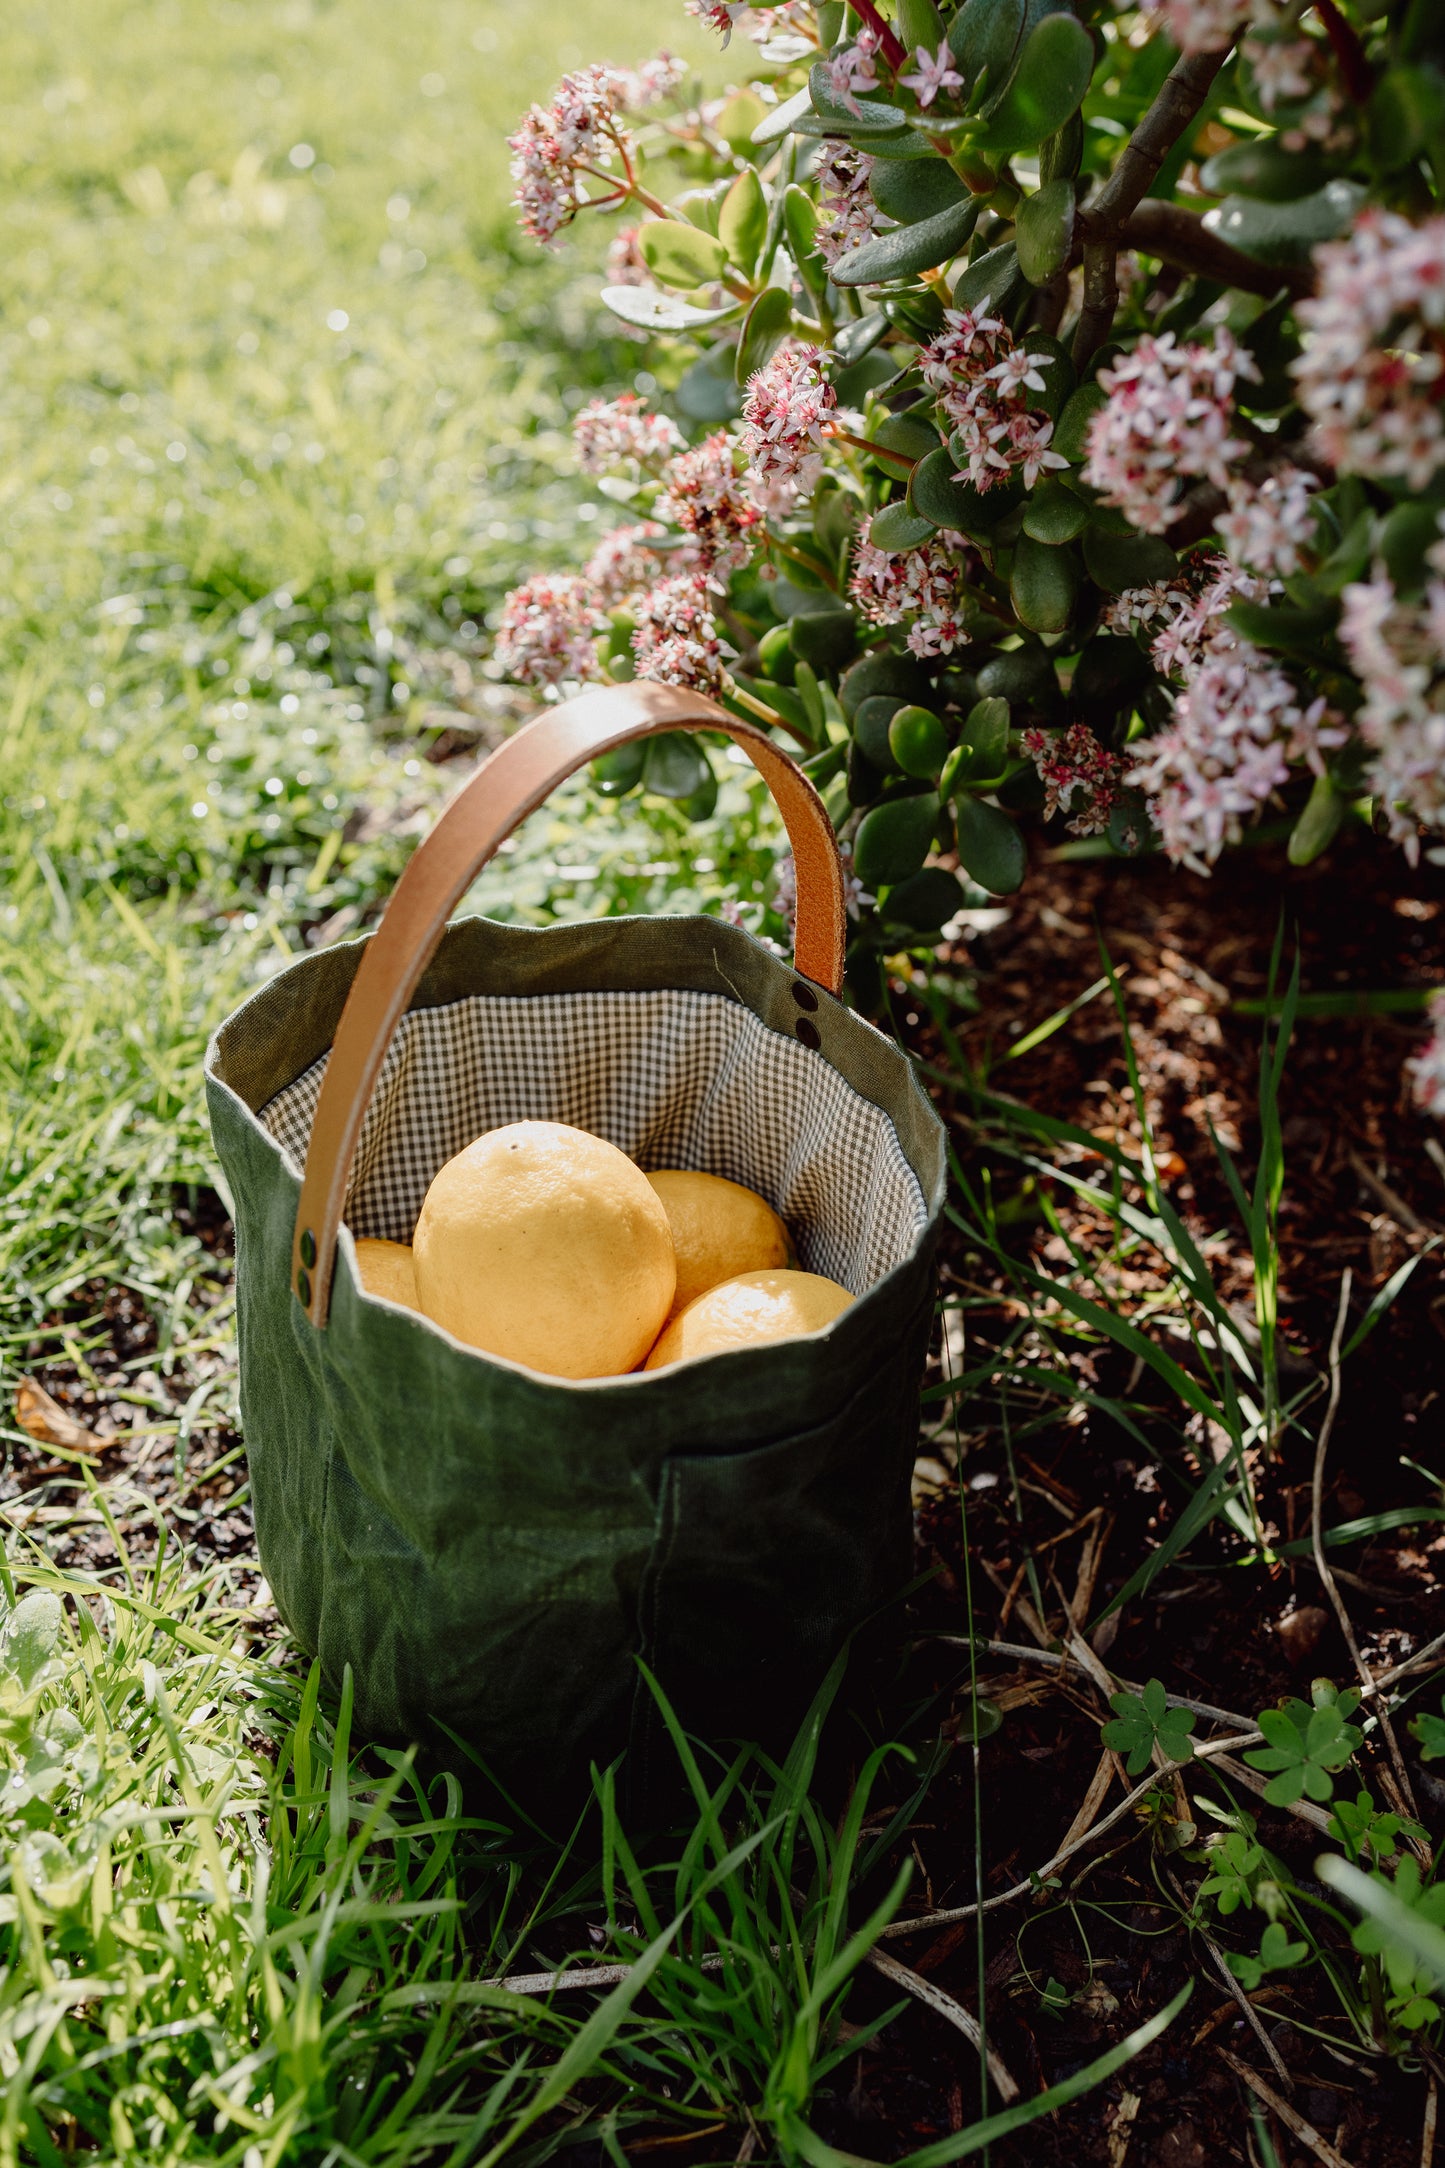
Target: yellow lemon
<point>755,1306</point>
<point>547,1246</point>
<point>386,1269</point>
<point>719,1229</point>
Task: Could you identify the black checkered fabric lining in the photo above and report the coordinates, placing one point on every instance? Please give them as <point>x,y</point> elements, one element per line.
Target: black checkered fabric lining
<point>676,1078</point>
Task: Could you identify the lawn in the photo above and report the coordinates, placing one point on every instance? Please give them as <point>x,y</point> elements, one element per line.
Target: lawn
<point>279,394</point>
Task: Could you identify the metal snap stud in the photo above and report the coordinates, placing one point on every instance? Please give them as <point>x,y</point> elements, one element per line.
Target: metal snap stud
<point>804,995</point>
<point>808,1033</point>
<point>303,1288</point>
<point>308,1248</point>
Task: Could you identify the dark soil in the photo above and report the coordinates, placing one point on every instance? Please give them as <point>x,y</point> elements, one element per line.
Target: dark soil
<point>1071,1969</point>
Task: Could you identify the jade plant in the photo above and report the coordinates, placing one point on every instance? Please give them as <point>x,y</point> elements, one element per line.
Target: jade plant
<point>1042,421</point>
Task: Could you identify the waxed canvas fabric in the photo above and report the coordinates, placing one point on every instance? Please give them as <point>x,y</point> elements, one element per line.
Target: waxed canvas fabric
<point>490,1551</point>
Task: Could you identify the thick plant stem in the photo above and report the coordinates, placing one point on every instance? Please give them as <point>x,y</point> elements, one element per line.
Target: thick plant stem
<point>762,713</point>
<point>893,51</point>
<point>1354,67</point>
<point>875,451</point>
<point>1178,236</point>
<point>1181,95</point>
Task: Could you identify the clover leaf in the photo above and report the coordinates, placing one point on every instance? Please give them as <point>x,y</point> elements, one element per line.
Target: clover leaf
<point>1234,1864</point>
<point>1306,1745</point>
<point>1361,1828</point>
<point>1276,1954</point>
<point>1143,1721</point>
<point>1411,2004</point>
<point>1429,1733</point>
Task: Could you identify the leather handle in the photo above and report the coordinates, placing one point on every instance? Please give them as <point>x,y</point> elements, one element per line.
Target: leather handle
<point>509,785</point>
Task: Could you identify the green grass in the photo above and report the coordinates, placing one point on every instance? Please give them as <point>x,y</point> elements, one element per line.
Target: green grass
<point>280,426</point>
<point>228,1940</point>
<point>242,541</point>
<point>277,436</point>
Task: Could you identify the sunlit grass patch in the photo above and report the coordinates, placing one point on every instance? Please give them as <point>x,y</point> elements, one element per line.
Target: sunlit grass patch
<point>277,400</point>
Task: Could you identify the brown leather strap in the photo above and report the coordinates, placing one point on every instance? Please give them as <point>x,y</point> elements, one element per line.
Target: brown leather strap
<point>508,786</point>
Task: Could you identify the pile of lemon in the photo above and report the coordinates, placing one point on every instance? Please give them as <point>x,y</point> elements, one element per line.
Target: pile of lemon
<point>550,1247</point>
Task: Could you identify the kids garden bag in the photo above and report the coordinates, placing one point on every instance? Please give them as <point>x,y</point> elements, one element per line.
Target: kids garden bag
<point>491,1550</point>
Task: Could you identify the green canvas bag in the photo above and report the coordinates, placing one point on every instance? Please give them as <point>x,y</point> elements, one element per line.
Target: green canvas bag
<point>491,1550</point>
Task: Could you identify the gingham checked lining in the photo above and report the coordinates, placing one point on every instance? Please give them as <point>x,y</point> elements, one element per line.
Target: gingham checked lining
<point>676,1078</point>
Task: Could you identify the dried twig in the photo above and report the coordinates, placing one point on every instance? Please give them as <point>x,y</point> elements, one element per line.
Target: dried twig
<point>1217,1957</point>
<point>924,1991</point>
<point>1219,1751</point>
<point>1026,1612</point>
<point>1224,2010</point>
<point>1090,1559</point>
<point>912,1983</point>
<point>1427,2133</point>
<point>1092,1801</point>
<point>1394,1203</point>
<point>561,1983</point>
<point>1303,1810</point>
<point>1032,1881</point>
<point>1052,1660</point>
<point>1417,1662</point>
<point>1293,2121</point>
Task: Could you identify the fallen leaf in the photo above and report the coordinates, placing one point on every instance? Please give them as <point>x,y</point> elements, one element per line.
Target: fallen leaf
<point>42,1418</point>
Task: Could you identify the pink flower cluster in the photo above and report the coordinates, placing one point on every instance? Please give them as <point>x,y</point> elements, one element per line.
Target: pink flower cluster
<point>704,496</point>
<point>576,134</point>
<point>1286,67</point>
<point>1202,26</point>
<point>1372,374</point>
<point>921,588</point>
<point>1398,651</point>
<point>624,562</point>
<point>785,424</point>
<point>547,629</point>
<point>676,641</point>
<point>1189,611</point>
<point>1298,72</point>
<point>933,72</point>
<point>719,15</point>
<point>661,77</point>
<point>1081,777</point>
<point>1427,1070</point>
<point>1237,726</point>
<point>1268,524</point>
<point>611,432</point>
<point>791,22</point>
<point>627,266</point>
<point>853,71</point>
<point>1168,417</point>
<point>1210,26</point>
<point>1238,720</point>
<point>847,214</point>
<point>983,381</point>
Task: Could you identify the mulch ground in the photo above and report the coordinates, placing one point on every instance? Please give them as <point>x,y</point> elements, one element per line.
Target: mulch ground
<point>1068,1970</point>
